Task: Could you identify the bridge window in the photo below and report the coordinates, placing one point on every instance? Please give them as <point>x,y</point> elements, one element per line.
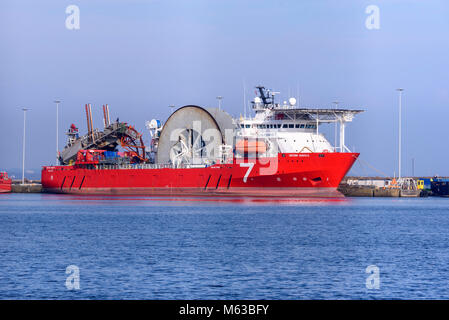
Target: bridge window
<point>302,126</point>
<point>291,125</point>
<point>284,126</point>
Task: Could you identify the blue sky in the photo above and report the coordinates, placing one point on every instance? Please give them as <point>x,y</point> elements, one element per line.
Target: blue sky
<point>141,56</point>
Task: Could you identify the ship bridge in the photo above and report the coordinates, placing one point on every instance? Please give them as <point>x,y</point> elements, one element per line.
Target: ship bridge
<point>295,128</point>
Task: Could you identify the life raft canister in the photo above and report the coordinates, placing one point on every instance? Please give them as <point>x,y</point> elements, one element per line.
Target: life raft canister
<point>251,146</point>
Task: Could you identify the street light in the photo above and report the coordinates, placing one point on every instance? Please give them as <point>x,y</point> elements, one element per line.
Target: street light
<point>172,107</point>
<point>400,116</point>
<point>57,129</point>
<point>23,148</point>
<point>335,131</point>
<point>219,98</point>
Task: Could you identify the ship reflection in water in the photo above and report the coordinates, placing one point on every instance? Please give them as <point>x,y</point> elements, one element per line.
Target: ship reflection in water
<point>194,201</point>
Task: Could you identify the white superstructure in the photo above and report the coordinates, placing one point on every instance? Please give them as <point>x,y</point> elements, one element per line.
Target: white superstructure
<point>294,129</point>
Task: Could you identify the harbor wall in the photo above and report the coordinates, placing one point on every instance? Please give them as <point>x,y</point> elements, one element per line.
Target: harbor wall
<point>375,187</point>
<point>28,187</point>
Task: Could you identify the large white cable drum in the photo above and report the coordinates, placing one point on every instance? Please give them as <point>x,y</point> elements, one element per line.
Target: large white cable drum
<point>192,135</point>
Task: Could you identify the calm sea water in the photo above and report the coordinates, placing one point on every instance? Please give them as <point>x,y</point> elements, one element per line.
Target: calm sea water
<point>142,248</point>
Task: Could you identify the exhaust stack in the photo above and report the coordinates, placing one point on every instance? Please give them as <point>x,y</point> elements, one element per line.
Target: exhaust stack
<point>106,120</point>
<point>90,129</point>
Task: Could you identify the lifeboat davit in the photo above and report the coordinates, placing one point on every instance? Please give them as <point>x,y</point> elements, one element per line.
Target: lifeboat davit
<point>251,146</point>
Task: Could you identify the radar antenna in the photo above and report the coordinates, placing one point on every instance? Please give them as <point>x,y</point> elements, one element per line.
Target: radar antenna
<point>262,95</point>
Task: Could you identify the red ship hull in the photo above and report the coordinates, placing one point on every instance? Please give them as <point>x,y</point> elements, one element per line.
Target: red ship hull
<point>288,175</point>
<point>5,186</point>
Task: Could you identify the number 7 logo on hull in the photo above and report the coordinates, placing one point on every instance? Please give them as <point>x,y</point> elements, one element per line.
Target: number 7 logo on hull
<point>250,166</point>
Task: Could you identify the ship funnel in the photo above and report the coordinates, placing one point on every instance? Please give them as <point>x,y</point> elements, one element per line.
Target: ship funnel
<point>106,120</point>
<point>90,129</point>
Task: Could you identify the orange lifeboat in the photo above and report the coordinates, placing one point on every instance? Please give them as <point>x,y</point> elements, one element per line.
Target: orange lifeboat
<point>251,146</point>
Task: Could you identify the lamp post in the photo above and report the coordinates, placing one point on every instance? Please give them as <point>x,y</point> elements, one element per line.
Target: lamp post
<point>172,107</point>
<point>57,129</point>
<point>335,130</point>
<point>219,98</point>
<point>23,147</point>
<point>400,133</point>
